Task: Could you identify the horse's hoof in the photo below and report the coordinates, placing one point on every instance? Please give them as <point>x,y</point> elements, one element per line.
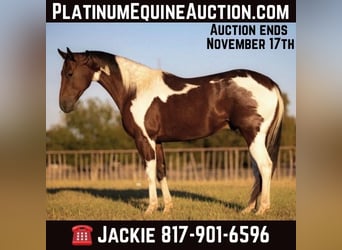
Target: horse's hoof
<point>261,210</point>
<point>247,210</point>
<point>168,208</point>
<point>151,208</point>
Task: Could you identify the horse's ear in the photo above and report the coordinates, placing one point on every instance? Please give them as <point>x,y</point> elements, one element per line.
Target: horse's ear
<point>63,54</point>
<point>70,55</point>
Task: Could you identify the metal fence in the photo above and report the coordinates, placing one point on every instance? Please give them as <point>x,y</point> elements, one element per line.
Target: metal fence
<point>182,164</point>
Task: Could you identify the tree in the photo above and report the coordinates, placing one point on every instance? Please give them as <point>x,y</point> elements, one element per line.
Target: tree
<point>92,125</point>
<point>60,137</point>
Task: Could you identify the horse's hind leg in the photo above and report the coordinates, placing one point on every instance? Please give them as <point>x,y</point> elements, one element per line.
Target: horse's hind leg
<point>256,191</point>
<point>260,155</point>
<point>161,176</point>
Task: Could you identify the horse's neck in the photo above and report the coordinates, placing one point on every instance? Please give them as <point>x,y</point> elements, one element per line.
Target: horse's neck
<point>136,76</point>
<point>130,78</point>
<point>114,87</point>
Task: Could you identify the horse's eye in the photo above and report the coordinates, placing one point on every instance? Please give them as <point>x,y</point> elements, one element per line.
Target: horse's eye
<point>69,74</point>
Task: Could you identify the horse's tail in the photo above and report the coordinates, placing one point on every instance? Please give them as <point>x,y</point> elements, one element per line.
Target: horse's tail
<point>274,131</point>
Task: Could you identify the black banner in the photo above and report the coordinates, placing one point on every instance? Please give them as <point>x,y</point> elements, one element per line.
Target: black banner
<point>170,11</point>
<point>176,234</point>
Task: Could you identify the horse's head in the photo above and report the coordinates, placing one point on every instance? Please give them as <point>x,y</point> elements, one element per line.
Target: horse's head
<point>76,78</point>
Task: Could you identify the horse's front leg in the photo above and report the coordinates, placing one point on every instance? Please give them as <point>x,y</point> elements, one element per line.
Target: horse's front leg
<point>161,176</point>
<point>147,150</point>
<point>152,187</point>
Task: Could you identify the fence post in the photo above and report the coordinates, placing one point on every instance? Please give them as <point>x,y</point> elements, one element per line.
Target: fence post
<point>236,164</point>
<point>225,165</point>
<point>291,163</point>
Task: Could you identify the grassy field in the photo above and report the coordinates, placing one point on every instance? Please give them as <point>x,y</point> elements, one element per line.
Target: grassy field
<point>127,200</point>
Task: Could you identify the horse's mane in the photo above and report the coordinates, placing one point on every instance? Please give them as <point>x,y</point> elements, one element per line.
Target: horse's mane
<point>135,76</point>
<point>105,58</point>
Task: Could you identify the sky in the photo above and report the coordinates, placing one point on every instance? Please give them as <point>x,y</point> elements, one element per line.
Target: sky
<point>179,48</point>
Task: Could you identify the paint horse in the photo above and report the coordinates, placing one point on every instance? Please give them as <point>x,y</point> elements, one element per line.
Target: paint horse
<point>159,107</point>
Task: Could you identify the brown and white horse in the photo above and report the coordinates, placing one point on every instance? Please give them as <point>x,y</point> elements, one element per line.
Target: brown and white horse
<point>158,107</point>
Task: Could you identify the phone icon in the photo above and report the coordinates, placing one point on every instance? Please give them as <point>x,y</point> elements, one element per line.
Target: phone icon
<point>82,235</point>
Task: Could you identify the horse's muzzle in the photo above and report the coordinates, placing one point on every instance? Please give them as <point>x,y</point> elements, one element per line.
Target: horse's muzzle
<point>66,106</point>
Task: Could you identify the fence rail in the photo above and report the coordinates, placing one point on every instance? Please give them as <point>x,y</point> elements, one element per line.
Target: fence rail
<point>182,164</point>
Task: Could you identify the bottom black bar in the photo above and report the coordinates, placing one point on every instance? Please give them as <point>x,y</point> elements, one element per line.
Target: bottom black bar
<point>176,234</point>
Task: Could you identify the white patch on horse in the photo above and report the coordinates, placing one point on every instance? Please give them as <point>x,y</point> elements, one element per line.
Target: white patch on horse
<point>216,81</point>
<point>97,74</point>
<point>106,70</point>
<point>148,84</point>
<point>266,99</point>
<point>261,157</point>
<point>134,74</point>
<point>152,187</point>
<point>166,195</point>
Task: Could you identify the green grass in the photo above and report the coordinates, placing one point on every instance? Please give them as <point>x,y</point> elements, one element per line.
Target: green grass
<point>127,200</point>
